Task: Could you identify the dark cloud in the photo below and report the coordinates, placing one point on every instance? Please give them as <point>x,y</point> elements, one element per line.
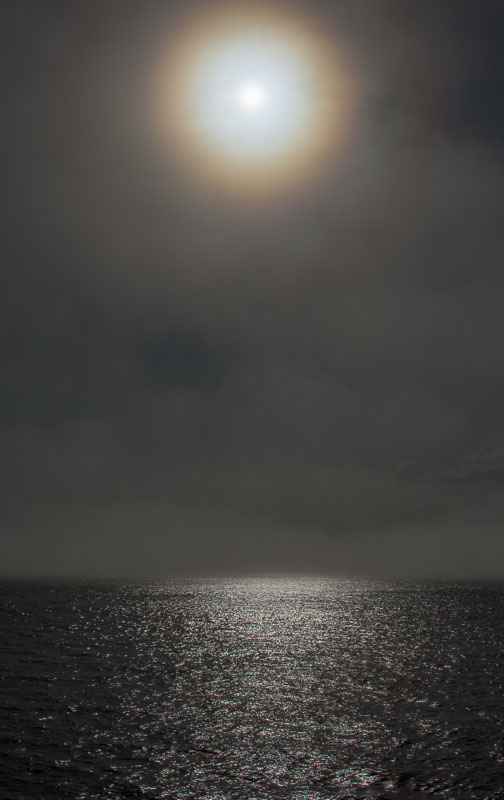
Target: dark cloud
<point>484,469</point>
<point>188,382</point>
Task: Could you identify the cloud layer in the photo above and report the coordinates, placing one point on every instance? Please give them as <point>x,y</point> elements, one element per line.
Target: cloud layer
<point>313,384</point>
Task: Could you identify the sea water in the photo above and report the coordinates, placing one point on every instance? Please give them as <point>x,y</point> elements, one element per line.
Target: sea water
<point>254,688</point>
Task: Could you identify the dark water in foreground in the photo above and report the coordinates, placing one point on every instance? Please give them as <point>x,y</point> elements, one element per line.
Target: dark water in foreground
<point>252,689</point>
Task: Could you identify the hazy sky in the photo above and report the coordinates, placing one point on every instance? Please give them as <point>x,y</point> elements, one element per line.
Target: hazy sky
<point>194,384</point>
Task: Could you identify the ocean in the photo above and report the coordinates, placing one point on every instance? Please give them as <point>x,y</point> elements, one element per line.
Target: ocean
<point>266,688</point>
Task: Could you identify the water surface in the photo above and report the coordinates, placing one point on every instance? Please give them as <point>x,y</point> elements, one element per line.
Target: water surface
<point>261,689</point>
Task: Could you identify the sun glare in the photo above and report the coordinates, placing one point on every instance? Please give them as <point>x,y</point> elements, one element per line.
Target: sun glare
<point>252,97</point>
<point>250,100</point>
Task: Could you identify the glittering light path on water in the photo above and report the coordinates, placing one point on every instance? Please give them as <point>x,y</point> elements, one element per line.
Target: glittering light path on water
<point>253,689</point>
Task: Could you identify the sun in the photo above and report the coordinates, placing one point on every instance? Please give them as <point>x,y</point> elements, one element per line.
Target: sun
<point>251,99</point>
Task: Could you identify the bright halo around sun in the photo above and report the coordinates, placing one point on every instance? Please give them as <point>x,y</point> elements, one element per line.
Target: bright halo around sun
<point>251,99</point>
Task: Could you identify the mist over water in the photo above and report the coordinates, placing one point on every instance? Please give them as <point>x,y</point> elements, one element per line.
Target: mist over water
<point>254,688</point>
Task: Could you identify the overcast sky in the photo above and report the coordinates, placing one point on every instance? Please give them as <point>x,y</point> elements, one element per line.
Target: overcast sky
<point>190,384</point>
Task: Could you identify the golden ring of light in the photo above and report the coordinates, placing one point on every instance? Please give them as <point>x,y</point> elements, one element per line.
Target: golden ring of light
<point>249,99</point>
